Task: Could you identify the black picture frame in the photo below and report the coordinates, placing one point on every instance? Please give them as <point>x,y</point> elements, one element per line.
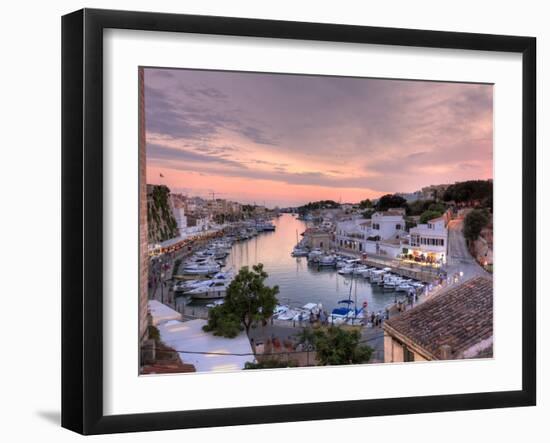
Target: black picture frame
<point>82,218</point>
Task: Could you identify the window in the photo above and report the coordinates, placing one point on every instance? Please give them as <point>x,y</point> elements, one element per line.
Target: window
<point>375,226</point>
<point>398,227</point>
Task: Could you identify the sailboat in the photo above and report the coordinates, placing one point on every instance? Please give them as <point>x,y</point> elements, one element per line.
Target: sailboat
<point>347,311</point>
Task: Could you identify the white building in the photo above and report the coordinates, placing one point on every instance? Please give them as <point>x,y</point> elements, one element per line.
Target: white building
<point>349,235</point>
<point>384,232</point>
<point>181,220</point>
<point>428,242</point>
<point>388,224</point>
<point>378,236</point>
<point>201,225</point>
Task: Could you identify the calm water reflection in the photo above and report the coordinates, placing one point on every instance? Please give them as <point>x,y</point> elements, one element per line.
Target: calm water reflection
<point>299,283</point>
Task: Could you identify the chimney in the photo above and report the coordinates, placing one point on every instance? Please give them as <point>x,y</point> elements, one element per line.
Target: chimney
<point>445,352</point>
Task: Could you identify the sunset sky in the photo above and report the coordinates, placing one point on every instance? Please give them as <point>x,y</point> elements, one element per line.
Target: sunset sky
<point>286,140</point>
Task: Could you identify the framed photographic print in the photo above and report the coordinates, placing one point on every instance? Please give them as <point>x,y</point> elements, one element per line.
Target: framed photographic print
<point>269,221</point>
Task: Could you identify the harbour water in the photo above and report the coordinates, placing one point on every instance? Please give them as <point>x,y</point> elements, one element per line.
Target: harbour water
<point>300,283</point>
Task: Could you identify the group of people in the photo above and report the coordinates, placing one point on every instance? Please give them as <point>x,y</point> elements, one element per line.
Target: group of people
<point>375,319</point>
<point>320,316</point>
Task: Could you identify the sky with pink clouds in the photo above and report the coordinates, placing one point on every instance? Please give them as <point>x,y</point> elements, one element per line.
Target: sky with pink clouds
<point>286,140</point>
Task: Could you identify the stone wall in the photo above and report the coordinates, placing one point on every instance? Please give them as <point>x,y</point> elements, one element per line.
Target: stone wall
<point>143,231</point>
<point>161,223</point>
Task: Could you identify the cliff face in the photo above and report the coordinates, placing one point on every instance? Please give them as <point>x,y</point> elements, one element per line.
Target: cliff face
<point>160,218</point>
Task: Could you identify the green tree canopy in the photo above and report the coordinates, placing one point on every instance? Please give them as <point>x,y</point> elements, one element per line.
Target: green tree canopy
<point>365,204</point>
<point>474,222</point>
<point>322,204</point>
<point>429,215</point>
<point>247,302</point>
<point>337,346</point>
<point>367,214</point>
<point>437,207</point>
<point>417,207</point>
<point>389,201</point>
<point>469,191</point>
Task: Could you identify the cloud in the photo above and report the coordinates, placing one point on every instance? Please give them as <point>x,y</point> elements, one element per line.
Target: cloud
<point>212,93</point>
<point>156,153</point>
<point>386,135</point>
<point>169,115</point>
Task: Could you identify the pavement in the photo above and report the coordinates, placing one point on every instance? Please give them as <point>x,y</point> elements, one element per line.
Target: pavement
<point>459,258</point>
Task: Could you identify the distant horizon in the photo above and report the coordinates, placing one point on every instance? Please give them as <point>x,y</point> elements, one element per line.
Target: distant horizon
<point>343,202</point>
<point>286,140</point>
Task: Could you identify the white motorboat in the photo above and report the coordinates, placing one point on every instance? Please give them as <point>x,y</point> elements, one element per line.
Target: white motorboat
<point>314,255</point>
<point>222,244</point>
<point>279,309</point>
<point>391,283</point>
<point>186,286</point>
<point>405,287</point>
<point>327,260</point>
<point>183,286</point>
<point>215,303</point>
<point>299,252</point>
<point>265,226</point>
<point>215,289</point>
<point>288,314</point>
<point>377,276</point>
<point>353,269</point>
<point>244,235</point>
<point>364,272</point>
<point>202,269</point>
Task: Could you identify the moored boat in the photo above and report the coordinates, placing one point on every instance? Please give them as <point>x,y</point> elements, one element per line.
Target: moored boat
<point>215,289</point>
<point>327,261</point>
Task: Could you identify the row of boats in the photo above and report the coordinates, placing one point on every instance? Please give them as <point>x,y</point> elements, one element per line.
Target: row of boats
<point>202,273</point>
<point>353,267</point>
<point>383,278</point>
<point>346,312</point>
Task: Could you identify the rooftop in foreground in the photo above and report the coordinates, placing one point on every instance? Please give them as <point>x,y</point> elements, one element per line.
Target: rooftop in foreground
<point>203,350</point>
<point>460,318</point>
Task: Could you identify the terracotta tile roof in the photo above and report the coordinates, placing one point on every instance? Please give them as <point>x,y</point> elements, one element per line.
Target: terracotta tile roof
<point>461,317</point>
<point>175,367</point>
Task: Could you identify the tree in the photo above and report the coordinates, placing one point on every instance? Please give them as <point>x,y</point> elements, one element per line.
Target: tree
<point>367,214</point>
<point>429,215</point>
<point>474,222</point>
<point>365,204</point>
<point>417,207</point>
<point>467,191</point>
<point>247,302</point>
<point>437,207</point>
<point>409,223</point>
<point>337,346</point>
<point>322,204</point>
<point>389,201</point>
